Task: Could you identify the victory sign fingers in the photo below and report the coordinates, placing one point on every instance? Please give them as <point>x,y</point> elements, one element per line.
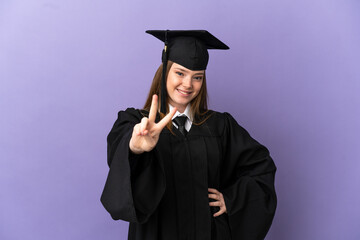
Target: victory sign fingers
<point>152,114</point>
<point>146,133</point>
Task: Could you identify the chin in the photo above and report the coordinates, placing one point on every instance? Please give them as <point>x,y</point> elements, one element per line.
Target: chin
<point>184,103</point>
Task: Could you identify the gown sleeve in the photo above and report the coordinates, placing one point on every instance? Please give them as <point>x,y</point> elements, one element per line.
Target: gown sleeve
<point>247,183</point>
<point>135,183</point>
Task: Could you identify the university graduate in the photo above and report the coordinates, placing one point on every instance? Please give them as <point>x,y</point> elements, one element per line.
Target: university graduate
<point>179,171</point>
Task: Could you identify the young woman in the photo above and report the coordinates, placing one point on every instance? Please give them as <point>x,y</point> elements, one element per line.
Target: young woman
<point>181,171</point>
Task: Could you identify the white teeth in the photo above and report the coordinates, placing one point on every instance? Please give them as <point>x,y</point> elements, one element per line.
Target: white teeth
<point>183,92</point>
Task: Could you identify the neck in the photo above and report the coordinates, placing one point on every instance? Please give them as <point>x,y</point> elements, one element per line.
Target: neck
<point>183,110</point>
<point>180,109</point>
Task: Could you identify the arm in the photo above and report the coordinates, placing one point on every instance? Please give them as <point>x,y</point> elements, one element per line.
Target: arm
<point>121,196</point>
<point>133,178</point>
<point>248,183</point>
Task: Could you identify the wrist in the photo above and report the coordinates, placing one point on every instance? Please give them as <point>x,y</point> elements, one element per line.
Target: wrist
<point>134,150</point>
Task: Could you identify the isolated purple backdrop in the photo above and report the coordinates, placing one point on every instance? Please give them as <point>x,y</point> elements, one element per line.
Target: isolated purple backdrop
<point>291,78</point>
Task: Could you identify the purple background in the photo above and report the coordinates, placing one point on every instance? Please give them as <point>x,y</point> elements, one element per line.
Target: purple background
<point>291,78</point>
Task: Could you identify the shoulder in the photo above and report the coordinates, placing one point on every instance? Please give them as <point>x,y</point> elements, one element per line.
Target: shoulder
<point>126,119</point>
<point>131,114</point>
<point>224,122</point>
<point>220,117</point>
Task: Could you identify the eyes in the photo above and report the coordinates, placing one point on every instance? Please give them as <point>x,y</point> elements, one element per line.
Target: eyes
<point>197,78</point>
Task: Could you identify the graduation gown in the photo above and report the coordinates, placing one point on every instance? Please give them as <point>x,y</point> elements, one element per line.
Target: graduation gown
<point>164,193</point>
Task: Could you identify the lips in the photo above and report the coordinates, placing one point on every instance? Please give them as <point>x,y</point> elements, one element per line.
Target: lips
<point>184,93</point>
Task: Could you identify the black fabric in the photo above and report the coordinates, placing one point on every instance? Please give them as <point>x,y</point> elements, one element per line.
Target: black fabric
<point>180,122</point>
<point>164,59</point>
<point>163,193</point>
<point>189,48</point>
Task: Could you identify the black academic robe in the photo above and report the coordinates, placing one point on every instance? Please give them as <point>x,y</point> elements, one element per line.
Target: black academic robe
<point>164,193</point>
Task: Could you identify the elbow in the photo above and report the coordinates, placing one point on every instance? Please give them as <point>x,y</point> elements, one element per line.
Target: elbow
<point>117,211</point>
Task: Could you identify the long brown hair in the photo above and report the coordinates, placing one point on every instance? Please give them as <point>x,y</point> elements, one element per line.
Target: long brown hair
<point>199,106</point>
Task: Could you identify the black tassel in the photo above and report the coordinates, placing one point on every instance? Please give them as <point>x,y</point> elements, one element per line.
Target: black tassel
<point>164,59</point>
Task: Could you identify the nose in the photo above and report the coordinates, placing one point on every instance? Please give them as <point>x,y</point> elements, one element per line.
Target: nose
<point>187,82</point>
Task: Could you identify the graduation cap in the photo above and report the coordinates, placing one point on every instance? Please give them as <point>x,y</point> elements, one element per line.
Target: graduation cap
<point>187,48</point>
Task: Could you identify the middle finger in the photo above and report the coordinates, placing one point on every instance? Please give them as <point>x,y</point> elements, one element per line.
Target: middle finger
<point>215,204</point>
<point>166,119</point>
<point>214,196</point>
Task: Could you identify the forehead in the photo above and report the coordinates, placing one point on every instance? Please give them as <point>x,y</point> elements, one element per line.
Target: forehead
<point>180,67</point>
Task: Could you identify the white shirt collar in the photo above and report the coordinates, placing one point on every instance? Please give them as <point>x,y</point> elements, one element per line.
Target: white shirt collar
<point>186,112</point>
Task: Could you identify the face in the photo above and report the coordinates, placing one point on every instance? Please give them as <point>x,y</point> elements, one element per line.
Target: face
<point>183,85</point>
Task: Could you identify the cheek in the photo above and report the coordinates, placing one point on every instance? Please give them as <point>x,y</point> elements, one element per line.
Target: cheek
<point>168,84</point>
<point>171,82</point>
<point>197,86</point>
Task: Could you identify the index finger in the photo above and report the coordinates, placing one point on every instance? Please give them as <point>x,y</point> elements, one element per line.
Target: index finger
<point>153,108</point>
<point>166,119</point>
<point>213,190</point>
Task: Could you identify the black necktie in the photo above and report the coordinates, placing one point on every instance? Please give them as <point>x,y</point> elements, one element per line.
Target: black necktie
<point>180,121</point>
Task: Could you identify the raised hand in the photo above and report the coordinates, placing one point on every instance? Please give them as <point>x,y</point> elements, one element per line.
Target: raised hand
<point>220,202</point>
<point>146,133</point>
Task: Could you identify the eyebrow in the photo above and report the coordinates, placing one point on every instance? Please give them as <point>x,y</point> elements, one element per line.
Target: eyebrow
<point>180,69</point>
<point>183,70</point>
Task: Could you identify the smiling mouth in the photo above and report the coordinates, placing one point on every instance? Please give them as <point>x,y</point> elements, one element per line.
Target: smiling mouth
<point>184,93</point>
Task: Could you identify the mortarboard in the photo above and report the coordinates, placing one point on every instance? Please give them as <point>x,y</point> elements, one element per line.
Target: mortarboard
<point>187,48</point>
